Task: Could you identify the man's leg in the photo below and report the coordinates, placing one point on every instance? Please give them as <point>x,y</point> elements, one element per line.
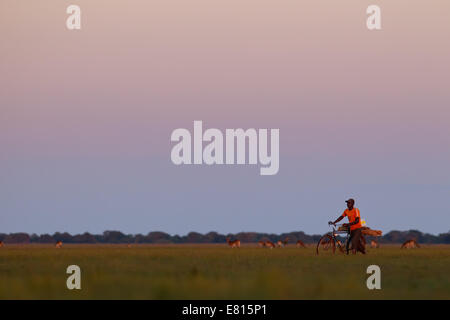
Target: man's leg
<point>356,241</point>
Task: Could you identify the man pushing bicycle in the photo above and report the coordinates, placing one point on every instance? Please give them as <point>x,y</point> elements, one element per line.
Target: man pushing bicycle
<point>354,219</point>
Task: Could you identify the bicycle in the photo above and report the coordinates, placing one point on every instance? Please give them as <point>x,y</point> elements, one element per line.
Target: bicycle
<point>330,241</point>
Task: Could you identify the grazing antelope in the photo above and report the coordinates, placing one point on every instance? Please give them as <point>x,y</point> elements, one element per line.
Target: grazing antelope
<point>1,244</point>
<point>283,243</point>
<point>234,243</point>
<point>300,244</point>
<point>270,244</point>
<point>410,244</point>
<point>58,244</point>
<point>374,244</point>
<point>261,244</point>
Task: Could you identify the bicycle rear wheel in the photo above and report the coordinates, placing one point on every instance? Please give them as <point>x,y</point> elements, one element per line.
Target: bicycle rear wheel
<point>326,244</point>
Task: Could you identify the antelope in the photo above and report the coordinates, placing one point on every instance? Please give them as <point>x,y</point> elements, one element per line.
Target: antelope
<point>300,244</point>
<point>1,244</point>
<point>270,244</point>
<point>374,244</point>
<point>234,243</point>
<point>261,243</point>
<point>282,243</point>
<point>58,244</point>
<point>409,244</point>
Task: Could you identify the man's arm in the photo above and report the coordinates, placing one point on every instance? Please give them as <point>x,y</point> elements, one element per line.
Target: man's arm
<point>338,219</point>
<point>354,222</point>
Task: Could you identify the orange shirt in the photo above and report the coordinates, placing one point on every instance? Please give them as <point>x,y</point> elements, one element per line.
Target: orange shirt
<point>352,215</point>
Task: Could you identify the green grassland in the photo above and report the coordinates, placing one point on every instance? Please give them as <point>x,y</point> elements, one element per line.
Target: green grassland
<point>219,272</point>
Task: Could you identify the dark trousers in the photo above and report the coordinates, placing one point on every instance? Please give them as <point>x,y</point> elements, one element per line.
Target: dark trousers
<point>355,240</point>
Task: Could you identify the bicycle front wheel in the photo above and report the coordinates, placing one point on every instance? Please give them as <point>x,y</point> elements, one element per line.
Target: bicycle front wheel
<point>326,244</point>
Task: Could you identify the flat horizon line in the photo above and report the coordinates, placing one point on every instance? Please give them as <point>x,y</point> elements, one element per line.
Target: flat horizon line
<point>205,233</point>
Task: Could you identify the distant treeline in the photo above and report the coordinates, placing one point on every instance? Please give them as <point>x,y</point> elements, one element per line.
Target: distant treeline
<point>211,237</point>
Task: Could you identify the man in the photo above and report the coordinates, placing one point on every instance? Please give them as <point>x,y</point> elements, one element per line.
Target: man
<point>354,220</point>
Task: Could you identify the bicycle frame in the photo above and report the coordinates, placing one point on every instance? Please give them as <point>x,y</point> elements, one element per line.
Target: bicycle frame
<point>335,233</point>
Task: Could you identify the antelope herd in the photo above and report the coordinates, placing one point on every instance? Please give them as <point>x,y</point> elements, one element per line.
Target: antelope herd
<point>270,244</point>
<point>409,244</point>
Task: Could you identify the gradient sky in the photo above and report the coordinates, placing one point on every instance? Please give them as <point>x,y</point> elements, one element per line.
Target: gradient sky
<point>86,116</point>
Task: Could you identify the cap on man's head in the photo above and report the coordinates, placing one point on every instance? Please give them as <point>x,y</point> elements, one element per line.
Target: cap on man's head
<point>352,201</point>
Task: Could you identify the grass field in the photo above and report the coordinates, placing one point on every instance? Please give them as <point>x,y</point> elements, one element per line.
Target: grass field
<point>219,272</point>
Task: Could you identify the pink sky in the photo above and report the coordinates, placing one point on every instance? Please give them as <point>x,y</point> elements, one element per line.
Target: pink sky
<point>373,103</point>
